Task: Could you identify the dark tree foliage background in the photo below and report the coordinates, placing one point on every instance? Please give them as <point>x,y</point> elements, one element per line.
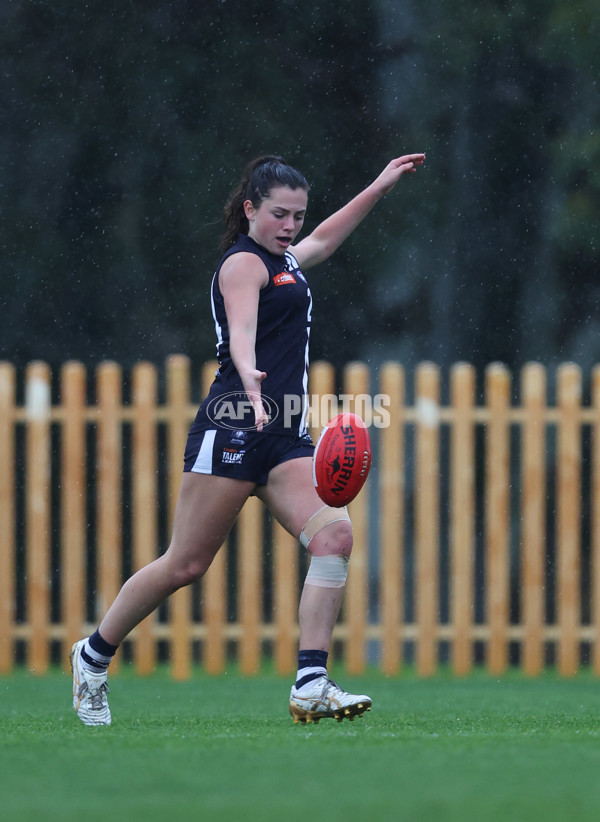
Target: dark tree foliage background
<point>125,124</point>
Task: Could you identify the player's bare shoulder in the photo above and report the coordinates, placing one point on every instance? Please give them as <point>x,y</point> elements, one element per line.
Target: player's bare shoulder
<point>242,270</point>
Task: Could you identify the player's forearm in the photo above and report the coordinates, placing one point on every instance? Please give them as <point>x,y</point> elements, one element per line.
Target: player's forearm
<point>332,232</point>
<point>242,352</point>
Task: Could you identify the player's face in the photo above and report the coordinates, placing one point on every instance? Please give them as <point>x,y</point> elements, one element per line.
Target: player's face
<point>278,219</point>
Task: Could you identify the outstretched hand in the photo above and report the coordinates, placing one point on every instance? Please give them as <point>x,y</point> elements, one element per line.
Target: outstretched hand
<point>407,164</point>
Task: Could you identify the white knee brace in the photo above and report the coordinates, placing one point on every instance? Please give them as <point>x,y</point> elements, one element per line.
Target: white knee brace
<point>329,571</point>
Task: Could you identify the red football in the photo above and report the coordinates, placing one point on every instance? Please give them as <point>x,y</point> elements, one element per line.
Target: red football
<point>342,460</point>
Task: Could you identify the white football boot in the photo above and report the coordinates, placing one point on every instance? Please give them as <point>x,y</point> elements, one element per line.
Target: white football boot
<point>89,691</point>
<point>323,698</point>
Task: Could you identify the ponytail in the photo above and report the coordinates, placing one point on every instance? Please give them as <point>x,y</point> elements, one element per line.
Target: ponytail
<point>260,176</point>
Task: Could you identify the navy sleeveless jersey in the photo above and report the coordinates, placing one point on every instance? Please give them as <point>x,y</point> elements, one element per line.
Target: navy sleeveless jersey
<point>282,340</point>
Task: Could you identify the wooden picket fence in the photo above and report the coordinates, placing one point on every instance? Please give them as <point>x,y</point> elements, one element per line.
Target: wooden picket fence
<point>477,537</point>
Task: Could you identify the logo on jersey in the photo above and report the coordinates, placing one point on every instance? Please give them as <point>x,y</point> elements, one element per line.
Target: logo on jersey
<point>234,411</point>
<point>285,278</point>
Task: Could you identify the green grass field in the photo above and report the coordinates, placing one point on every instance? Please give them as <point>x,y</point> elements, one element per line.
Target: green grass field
<point>225,748</point>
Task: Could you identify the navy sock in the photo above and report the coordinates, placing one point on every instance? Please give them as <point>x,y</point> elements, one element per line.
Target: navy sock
<point>96,654</point>
<point>311,665</point>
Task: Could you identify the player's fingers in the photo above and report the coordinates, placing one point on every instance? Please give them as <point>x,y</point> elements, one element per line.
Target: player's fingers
<point>409,160</point>
<point>261,417</point>
<point>404,168</point>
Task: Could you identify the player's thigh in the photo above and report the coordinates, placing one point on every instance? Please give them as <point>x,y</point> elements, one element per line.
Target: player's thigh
<point>290,494</point>
<point>291,497</point>
<point>207,507</point>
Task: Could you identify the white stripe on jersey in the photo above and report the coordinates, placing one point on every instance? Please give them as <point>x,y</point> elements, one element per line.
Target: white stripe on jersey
<point>218,328</point>
<point>303,421</point>
<point>292,265</point>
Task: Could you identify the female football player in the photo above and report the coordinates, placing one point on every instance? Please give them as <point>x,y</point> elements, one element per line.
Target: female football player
<point>250,435</point>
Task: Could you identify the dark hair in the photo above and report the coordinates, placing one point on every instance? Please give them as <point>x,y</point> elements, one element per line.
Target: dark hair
<point>261,175</point>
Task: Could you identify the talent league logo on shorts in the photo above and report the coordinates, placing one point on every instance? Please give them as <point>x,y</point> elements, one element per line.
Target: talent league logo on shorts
<point>235,412</point>
<point>232,456</point>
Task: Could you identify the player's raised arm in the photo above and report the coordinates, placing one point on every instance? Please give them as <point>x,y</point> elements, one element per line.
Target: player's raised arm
<point>332,232</point>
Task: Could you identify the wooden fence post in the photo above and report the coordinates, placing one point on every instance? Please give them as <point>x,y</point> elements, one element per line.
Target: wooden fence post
<point>7,513</point>
<point>391,518</point>
<point>214,584</point>
<point>250,582</point>
<point>568,543</point>
<point>178,390</point>
<point>533,514</point>
<point>110,498</point>
<point>321,384</point>
<point>37,403</point>
<point>73,502</point>
<point>497,509</point>
<point>144,495</point>
<point>462,513</point>
<point>427,515</point>
<point>285,599</point>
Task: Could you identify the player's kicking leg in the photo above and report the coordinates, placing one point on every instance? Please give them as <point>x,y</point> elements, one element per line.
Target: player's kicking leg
<point>327,534</point>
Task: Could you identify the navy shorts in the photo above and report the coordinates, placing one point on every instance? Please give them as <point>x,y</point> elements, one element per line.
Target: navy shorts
<point>242,455</point>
